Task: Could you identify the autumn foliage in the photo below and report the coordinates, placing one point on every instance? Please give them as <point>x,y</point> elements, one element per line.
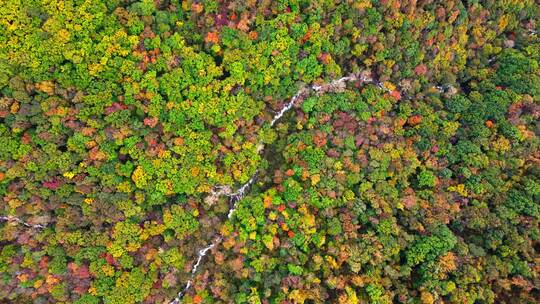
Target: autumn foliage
<point>417,183</point>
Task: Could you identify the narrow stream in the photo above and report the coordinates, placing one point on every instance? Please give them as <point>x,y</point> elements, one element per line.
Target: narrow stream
<point>234,198</point>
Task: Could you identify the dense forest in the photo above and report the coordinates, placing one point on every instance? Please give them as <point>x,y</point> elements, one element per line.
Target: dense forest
<point>286,151</point>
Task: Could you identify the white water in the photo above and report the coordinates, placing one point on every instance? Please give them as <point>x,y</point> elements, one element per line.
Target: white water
<point>240,193</point>
<point>332,86</point>
<point>287,107</point>
<point>200,256</point>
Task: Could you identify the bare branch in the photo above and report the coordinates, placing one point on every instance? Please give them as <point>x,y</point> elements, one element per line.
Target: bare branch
<point>21,222</point>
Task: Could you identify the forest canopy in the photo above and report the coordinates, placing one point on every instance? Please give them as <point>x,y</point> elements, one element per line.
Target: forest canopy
<point>289,151</point>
